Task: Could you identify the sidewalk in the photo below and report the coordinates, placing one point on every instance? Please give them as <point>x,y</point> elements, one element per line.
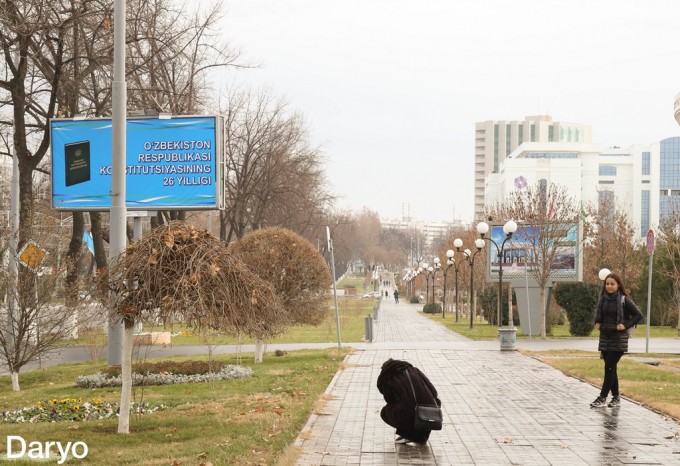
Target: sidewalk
<point>500,408</point>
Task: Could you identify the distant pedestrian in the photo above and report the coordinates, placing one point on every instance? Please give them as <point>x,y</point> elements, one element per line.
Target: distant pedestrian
<point>615,314</point>
<point>399,412</point>
<point>387,295</point>
<point>396,296</point>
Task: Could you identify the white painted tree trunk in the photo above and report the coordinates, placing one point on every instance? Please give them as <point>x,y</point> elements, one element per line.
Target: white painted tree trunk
<point>259,350</point>
<point>126,375</point>
<point>15,381</point>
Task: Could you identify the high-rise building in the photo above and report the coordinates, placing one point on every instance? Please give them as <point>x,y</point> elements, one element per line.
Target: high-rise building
<point>669,181</point>
<point>632,177</point>
<point>496,139</point>
<point>433,232</point>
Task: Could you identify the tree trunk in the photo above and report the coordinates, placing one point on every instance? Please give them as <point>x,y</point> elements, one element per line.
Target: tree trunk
<point>259,350</point>
<point>73,256</point>
<point>126,376</point>
<point>15,381</point>
<point>544,313</point>
<point>98,240</point>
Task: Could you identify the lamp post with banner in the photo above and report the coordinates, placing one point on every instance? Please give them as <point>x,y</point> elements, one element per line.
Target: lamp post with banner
<point>507,335</point>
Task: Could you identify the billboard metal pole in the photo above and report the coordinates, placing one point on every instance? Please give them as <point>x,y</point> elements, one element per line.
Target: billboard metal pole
<point>118,212</point>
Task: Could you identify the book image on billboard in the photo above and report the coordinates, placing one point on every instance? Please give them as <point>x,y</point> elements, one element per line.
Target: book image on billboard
<point>77,158</point>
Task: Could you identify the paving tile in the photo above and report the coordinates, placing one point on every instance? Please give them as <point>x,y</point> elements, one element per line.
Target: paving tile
<point>500,408</point>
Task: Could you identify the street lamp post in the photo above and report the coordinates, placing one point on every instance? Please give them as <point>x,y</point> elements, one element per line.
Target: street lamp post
<point>507,334</point>
<point>479,244</point>
<point>451,262</point>
<point>425,270</point>
<point>430,274</point>
<point>437,267</point>
<point>416,271</point>
<point>407,279</point>
<point>457,243</point>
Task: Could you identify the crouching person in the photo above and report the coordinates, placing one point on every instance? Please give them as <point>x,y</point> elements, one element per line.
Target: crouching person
<point>399,412</point>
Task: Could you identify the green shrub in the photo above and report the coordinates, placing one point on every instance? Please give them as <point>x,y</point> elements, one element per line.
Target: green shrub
<point>414,300</point>
<point>430,308</point>
<point>579,301</point>
<point>488,301</point>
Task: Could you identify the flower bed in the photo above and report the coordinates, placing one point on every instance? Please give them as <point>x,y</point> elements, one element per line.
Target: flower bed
<point>72,409</point>
<point>102,379</point>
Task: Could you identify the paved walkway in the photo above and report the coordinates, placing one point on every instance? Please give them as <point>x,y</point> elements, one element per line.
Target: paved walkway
<point>500,408</point>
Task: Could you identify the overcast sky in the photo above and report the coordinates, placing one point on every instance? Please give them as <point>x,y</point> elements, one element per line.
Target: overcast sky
<point>391,89</point>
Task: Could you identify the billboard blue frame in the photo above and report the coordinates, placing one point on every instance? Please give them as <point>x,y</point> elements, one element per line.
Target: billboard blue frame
<point>171,163</point>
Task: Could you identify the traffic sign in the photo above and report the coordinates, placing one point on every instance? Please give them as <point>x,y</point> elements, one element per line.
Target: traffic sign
<point>650,241</point>
<point>32,255</point>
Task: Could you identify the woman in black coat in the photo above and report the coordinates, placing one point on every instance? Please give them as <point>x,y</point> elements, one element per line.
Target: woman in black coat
<point>399,412</point>
<point>615,314</point>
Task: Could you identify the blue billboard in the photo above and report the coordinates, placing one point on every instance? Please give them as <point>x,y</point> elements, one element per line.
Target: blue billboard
<point>171,163</point>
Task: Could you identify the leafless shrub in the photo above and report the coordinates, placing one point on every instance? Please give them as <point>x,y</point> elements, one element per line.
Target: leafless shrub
<point>179,273</point>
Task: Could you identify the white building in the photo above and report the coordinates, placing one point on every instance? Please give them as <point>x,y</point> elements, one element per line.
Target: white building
<point>433,232</point>
<point>496,139</point>
<point>590,173</point>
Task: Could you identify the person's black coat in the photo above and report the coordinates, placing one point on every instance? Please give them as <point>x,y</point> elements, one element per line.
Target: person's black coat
<point>612,339</point>
<point>399,412</point>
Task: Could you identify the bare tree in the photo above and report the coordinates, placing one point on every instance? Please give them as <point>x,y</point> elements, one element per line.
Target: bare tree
<point>462,263</point>
<point>296,270</point>
<point>178,273</point>
<point>396,245</point>
<point>39,325</point>
<point>669,238</point>
<point>340,228</point>
<point>545,213</point>
<point>366,232</point>
<point>273,177</point>
<point>609,241</point>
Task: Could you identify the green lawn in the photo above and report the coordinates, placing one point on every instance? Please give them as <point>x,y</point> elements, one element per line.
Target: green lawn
<point>249,421</point>
<point>351,312</point>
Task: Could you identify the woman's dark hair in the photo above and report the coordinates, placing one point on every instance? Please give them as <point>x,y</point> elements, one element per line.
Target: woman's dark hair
<point>617,279</point>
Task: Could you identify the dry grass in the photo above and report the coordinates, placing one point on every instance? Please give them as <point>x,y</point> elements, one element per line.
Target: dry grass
<point>657,387</point>
<point>289,457</point>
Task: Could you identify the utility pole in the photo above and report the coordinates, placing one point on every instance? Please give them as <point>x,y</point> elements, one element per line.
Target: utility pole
<point>335,290</point>
<point>118,211</point>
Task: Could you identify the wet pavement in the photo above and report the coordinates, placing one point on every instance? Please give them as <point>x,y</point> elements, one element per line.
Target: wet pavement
<point>500,408</point>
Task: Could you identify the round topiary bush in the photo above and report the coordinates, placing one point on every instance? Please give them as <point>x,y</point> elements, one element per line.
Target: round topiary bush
<point>578,300</point>
<point>430,308</point>
<point>414,300</point>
